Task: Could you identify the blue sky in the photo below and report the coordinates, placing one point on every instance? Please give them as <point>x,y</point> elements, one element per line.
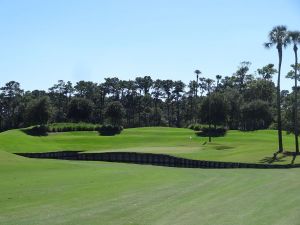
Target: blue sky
<point>44,41</point>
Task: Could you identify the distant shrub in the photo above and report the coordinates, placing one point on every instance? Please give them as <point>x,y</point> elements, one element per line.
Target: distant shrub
<point>39,130</point>
<point>110,130</point>
<point>206,132</point>
<point>196,126</point>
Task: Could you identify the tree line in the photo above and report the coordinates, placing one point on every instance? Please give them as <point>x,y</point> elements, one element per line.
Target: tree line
<point>241,101</point>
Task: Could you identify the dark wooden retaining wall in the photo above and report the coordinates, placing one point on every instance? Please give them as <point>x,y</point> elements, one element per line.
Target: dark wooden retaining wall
<point>150,159</point>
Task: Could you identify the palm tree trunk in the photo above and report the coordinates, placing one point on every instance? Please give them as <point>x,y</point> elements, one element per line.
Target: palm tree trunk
<point>209,116</point>
<point>156,111</point>
<point>178,114</point>
<point>197,78</point>
<point>168,109</point>
<point>296,102</point>
<point>280,145</point>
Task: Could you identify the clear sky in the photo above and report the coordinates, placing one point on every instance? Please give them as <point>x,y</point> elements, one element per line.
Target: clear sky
<point>44,41</point>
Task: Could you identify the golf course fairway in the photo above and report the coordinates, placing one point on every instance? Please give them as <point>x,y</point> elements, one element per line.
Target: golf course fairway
<point>45,191</point>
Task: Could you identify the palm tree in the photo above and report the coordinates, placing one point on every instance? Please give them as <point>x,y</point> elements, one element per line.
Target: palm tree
<point>157,93</point>
<point>295,38</point>
<point>218,77</point>
<point>279,37</point>
<point>167,87</point>
<point>209,83</point>
<point>197,72</point>
<point>178,89</point>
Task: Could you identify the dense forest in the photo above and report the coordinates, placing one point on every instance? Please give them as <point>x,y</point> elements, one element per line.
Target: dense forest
<point>242,101</point>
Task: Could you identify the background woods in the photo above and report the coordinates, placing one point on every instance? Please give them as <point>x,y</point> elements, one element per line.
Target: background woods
<point>242,101</point>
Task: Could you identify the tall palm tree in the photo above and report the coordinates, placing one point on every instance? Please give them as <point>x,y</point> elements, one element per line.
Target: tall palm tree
<point>197,72</point>
<point>278,36</point>
<point>209,83</point>
<point>167,86</point>
<point>295,38</point>
<point>218,77</point>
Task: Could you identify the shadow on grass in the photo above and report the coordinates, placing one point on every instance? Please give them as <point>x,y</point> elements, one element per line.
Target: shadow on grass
<point>293,154</point>
<point>223,147</point>
<point>272,159</point>
<point>276,158</point>
<point>281,158</point>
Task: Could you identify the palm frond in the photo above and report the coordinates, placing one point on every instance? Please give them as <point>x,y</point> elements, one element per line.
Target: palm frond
<point>268,45</point>
<point>197,72</point>
<point>294,36</point>
<point>278,36</point>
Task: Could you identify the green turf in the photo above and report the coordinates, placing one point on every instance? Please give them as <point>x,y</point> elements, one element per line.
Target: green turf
<point>236,146</point>
<point>35,191</point>
<point>42,191</point>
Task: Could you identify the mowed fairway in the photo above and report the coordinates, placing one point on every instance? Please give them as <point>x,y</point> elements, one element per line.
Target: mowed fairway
<point>42,191</point>
<point>37,191</point>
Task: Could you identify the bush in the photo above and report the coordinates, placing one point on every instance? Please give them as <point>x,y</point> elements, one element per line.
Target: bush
<point>195,127</point>
<point>39,130</point>
<point>206,132</point>
<point>110,130</point>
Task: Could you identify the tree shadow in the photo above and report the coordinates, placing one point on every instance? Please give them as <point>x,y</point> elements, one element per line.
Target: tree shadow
<point>293,154</point>
<point>223,147</point>
<point>272,159</point>
<point>293,159</point>
<point>281,158</point>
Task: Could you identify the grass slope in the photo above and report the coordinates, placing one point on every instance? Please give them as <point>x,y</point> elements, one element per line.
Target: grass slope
<point>54,192</point>
<point>254,147</point>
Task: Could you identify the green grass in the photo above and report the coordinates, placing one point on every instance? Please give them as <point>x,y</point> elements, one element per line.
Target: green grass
<point>44,191</point>
<point>35,191</point>
<point>236,146</point>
